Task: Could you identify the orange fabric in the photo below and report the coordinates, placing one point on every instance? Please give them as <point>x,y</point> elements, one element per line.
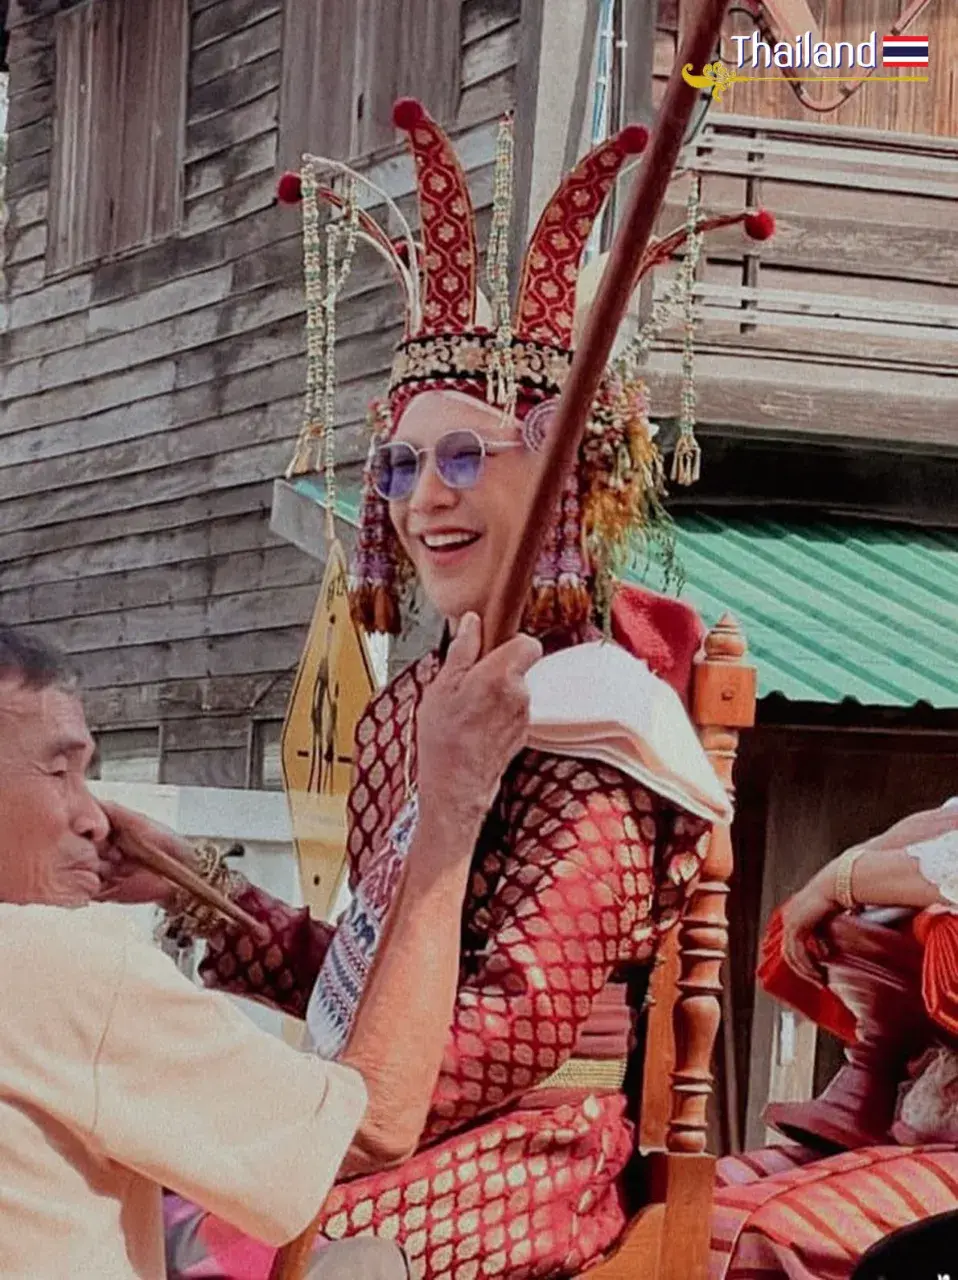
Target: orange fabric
<point>781,981</point>
<point>937,931</point>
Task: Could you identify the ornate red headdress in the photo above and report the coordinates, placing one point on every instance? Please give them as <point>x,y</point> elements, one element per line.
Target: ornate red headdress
<point>516,358</point>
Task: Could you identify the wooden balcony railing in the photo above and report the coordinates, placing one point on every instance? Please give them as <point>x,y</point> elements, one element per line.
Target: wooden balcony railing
<point>846,322</point>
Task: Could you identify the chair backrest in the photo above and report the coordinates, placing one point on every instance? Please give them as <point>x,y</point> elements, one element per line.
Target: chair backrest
<point>686,1009</point>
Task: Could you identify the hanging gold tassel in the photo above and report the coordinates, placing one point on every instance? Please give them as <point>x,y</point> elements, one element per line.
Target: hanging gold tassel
<point>687,459</point>
<point>323,284</point>
<point>306,457</point>
<point>501,385</point>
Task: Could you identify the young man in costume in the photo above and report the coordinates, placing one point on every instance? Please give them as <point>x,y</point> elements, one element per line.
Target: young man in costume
<point>889,989</point>
<point>586,852</point>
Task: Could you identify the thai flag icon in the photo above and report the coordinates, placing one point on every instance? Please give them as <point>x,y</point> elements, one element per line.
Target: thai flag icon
<point>904,51</point>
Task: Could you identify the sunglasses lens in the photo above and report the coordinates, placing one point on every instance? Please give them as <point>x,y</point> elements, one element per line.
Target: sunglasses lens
<point>459,459</point>
<point>395,467</point>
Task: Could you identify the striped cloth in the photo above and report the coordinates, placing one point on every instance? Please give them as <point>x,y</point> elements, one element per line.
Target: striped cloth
<point>814,1220</point>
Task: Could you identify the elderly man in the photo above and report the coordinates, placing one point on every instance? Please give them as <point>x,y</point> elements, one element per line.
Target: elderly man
<point>119,1077</point>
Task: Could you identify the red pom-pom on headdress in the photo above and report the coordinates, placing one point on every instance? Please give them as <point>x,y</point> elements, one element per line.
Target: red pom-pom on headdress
<point>289,189</point>
<point>634,138</point>
<point>760,225</point>
<point>407,113</point>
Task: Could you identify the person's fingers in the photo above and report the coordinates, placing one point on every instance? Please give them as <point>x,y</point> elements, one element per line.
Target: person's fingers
<point>799,960</point>
<point>118,814</point>
<point>465,647</point>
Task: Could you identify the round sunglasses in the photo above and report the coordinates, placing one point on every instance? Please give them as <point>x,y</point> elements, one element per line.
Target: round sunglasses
<point>458,457</point>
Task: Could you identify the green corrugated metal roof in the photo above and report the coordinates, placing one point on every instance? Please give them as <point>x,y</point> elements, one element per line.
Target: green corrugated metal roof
<point>830,610</point>
<point>833,610</point>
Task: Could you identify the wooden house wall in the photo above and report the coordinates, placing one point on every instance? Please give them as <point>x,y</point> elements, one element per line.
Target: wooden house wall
<point>150,401</point>
<point>897,107</point>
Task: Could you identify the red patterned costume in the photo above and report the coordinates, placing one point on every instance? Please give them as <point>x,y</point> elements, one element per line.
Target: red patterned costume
<point>578,871</point>
<point>798,1212</point>
<point>580,866</point>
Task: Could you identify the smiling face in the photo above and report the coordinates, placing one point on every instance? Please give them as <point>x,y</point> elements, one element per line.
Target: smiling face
<point>51,823</point>
<point>459,539</point>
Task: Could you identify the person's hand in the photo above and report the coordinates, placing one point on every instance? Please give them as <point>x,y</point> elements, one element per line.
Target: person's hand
<point>122,877</point>
<point>472,721</point>
<point>802,916</point>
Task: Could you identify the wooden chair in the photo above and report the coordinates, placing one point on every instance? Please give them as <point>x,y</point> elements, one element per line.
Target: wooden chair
<point>668,1238</point>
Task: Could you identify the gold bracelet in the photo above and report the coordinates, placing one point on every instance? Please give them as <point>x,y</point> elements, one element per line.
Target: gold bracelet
<point>187,919</point>
<point>844,869</point>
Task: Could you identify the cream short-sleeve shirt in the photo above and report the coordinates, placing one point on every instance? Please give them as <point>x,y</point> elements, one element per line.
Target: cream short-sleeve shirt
<point>119,1077</point>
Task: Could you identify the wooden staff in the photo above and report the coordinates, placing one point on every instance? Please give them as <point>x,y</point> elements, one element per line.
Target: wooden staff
<point>184,877</point>
<point>605,316</point>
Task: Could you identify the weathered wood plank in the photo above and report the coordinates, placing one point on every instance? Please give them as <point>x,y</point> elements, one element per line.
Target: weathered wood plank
<point>487,100</point>
<point>33,72</point>
<point>822,237</point>
<point>209,733</point>
<point>21,12</point>
<point>204,578</point>
<point>241,614</point>
<point>235,51</point>
<point>31,174</point>
<point>29,105</point>
<point>214,133</point>
<point>77,401</point>
<point>238,88</point>
<point>226,18</point>
<point>250,500</point>
<point>29,140</point>
<point>355,357</point>
<point>169,700</point>
<point>174,298</point>
<point>26,278</point>
<point>182,256</point>
<point>26,210</point>
<point>230,204</point>
<point>266,652</point>
<point>490,56</point>
<point>27,244</point>
<point>246,160</point>
<point>205,537</point>
<point>201,476</point>
<point>255,329</point>
<point>267,423</point>
<point>187,331</point>
<point>219,768</point>
<point>33,34</point>
<point>782,396</point>
<point>58,298</point>
<point>878,350</point>
<point>482,18</point>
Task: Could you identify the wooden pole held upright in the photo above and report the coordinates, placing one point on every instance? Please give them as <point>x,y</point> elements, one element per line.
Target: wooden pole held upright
<point>607,312</point>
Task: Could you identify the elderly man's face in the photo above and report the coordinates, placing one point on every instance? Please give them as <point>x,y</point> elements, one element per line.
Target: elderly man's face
<point>50,824</point>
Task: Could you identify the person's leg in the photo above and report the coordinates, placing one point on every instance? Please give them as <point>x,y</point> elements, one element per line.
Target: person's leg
<point>363,1259</point>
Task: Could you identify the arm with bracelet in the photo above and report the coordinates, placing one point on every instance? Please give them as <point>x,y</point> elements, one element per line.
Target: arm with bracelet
<point>913,864</point>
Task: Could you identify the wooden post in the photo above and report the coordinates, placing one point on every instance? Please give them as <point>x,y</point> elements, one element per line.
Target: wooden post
<point>723,702</point>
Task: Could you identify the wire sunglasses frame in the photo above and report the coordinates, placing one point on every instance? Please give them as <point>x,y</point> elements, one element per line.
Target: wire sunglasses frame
<point>458,456</point>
